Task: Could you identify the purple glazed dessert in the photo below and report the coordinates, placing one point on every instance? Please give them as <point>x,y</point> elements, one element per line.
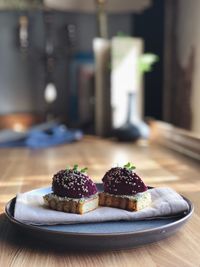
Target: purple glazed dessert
<point>73,191</point>
<point>73,184</point>
<point>124,189</point>
<point>122,181</point>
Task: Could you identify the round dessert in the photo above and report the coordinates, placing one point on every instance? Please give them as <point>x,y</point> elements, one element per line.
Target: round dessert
<point>73,184</point>
<point>123,181</point>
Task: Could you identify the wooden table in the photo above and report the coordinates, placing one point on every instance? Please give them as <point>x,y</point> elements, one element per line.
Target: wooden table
<point>23,169</point>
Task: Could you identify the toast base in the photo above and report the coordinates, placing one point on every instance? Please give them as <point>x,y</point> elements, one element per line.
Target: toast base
<point>71,205</point>
<point>130,203</point>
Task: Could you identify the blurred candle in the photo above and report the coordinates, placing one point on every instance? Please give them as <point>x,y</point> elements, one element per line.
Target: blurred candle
<point>102,86</point>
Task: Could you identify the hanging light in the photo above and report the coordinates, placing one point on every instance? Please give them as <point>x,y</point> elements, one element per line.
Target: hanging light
<point>50,93</point>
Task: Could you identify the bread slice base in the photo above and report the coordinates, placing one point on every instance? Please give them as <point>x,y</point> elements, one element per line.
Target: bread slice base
<point>130,203</point>
<point>71,205</point>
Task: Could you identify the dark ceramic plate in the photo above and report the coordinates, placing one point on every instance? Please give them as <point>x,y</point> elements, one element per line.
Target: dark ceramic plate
<point>102,236</point>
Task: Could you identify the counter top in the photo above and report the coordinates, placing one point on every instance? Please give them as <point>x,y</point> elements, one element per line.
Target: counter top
<point>23,169</point>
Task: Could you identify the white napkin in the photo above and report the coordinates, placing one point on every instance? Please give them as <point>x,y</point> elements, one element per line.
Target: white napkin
<point>30,209</point>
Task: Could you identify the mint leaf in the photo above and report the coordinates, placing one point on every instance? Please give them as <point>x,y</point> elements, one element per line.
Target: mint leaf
<point>75,167</point>
<point>84,170</point>
<point>129,166</point>
<point>132,168</point>
<point>67,167</point>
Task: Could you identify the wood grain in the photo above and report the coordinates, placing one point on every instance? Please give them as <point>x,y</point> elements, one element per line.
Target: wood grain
<point>23,169</point>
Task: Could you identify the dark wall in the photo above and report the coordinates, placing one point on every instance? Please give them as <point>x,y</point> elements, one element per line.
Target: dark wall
<point>150,26</point>
<point>22,75</point>
<point>20,79</point>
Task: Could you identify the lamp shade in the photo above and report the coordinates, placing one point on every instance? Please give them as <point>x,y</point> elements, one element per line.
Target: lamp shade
<point>89,6</point>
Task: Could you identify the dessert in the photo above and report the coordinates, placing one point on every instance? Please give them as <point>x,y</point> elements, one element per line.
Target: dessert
<point>124,189</point>
<point>73,191</point>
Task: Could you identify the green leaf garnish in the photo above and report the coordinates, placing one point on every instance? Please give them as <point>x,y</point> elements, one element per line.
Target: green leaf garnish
<point>84,170</point>
<point>129,166</point>
<point>132,168</point>
<point>67,168</point>
<point>75,167</point>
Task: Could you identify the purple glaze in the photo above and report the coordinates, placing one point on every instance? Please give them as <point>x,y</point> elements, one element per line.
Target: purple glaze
<point>73,184</point>
<point>121,181</point>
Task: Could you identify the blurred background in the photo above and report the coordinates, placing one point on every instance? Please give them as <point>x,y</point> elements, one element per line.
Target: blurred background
<point>101,67</point>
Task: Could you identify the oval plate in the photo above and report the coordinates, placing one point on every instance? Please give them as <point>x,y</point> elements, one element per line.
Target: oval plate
<point>102,236</point>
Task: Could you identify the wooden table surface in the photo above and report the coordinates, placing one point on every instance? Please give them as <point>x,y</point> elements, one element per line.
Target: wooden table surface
<point>22,169</point>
